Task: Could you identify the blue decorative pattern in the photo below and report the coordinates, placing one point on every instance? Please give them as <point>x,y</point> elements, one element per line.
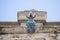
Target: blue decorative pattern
<point>31,26</point>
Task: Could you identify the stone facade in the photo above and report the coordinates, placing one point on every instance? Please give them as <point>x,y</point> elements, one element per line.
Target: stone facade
<point>17,30</point>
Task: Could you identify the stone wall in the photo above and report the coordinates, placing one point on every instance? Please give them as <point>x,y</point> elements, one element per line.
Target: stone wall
<point>34,36</point>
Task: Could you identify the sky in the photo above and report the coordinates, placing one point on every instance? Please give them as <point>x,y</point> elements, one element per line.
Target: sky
<point>9,8</point>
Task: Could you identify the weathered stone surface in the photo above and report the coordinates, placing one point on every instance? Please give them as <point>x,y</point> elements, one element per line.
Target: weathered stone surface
<point>40,15</point>
<point>14,30</point>
<point>34,36</point>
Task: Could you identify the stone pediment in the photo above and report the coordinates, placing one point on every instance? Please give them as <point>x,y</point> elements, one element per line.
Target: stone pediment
<point>40,15</point>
